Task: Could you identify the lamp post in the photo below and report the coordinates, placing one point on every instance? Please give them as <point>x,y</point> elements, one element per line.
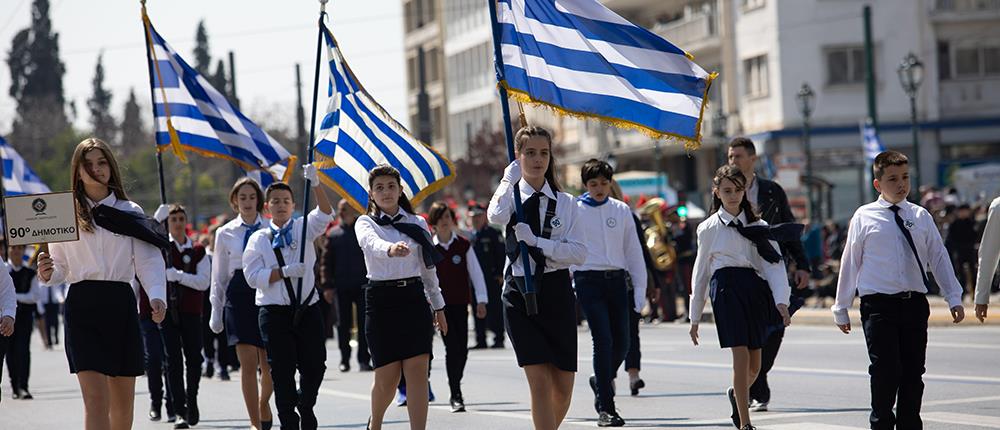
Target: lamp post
<point>805,98</point>
<point>911,75</point>
<point>719,131</point>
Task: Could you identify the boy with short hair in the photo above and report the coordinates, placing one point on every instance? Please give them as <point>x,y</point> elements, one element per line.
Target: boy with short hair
<point>614,258</point>
<point>893,252</point>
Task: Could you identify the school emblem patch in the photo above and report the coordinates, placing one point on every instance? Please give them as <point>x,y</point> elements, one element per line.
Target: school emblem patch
<point>456,259</point>
<point>186,259</point>
<point>556,222</point>
<point>294,245</point>
<point>611,222</point>
<point>909,223</point>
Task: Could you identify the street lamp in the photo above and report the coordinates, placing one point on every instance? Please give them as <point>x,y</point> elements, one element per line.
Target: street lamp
<point>805,98</point>
<point>719,131</point>
<point>911,74</point>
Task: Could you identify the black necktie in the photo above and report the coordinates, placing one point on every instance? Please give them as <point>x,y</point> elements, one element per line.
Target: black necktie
<point>530,209</point>
<point>762,235</point>
<point>909,239</point>
<point>417,233</point>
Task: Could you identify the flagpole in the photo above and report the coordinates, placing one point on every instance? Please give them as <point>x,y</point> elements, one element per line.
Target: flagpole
<point>3,209</point>
<point>152,96</point>
<point>530,300</point>
<point>312,140</point>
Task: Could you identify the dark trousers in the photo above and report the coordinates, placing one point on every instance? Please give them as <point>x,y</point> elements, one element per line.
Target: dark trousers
<point>52,311</point>
<point>494,316</point>
<point>153,357</point>
<point>4,346</point>
<point>633,356</point>
<point>456,345</point>
<point>182,344</point>
<point>19,356</point>
<point>896,335</point>
<point>291,347</point>
<point>760,390</point>
<point>347,300</point>
<point>605,303</point>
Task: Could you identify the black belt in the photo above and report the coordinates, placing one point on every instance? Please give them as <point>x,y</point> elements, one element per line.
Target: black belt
<point>905,295</point>
<point>396,282</point>
<point>602,274</point>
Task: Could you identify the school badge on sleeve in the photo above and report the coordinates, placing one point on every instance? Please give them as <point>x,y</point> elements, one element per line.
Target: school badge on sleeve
<point>556,222</point>
<point>611,222</point>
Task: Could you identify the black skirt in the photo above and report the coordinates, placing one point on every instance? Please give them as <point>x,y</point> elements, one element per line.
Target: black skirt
<point>398,323</point>
<point>549,336</point>
<point>745,313</point>
<point>241,312</point>
<point>102,329</point>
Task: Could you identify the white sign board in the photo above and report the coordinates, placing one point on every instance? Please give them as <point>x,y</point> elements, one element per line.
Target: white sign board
<point>41,218</point>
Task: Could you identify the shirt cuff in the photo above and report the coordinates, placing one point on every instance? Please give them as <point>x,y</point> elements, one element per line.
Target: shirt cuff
<point>840,317</point>
<point>546,245</point>
<point>954,301</point>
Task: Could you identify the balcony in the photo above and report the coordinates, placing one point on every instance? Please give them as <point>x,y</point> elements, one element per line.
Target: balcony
<point>965,10</point>
<point>970,97</point>
<point>693,34</point>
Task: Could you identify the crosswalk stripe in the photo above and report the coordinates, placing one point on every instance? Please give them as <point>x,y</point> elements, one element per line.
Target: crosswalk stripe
<point>963,419</point>
<point>809,426</point>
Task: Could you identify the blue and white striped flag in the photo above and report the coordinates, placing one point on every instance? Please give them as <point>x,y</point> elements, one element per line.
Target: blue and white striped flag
<point>580,58</point>
<point>357,135</point>
<point>18,178</point>
<point>190,115</point>
<point>870,142</point>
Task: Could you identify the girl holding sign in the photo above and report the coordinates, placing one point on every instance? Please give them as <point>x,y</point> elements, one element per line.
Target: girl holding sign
<point>103,344</point>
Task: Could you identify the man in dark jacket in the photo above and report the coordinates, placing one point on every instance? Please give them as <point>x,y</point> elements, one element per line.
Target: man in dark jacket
<point>344,275</point>
<point>489,246</point>
<point>771,203</point>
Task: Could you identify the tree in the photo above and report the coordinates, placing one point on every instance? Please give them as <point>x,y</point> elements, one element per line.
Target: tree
<point>220,82</point>
<point>133,130</point>
<point>482,164</point>
<point>202,57</point>
<point>100,105</point>
<point>36,84</point>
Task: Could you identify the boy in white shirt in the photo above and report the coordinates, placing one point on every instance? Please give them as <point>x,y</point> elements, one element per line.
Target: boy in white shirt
<point>893,252</point>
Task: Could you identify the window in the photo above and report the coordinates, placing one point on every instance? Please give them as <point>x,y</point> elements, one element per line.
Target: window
<point>411,67</point>
<point>845,66</point>
<point>755,76</point>
<point>432,57</point>
<point>975,61</point>
<point>966,62</point>
<point>944,60</point>
<point>991,60</point>
<point>408,17</point>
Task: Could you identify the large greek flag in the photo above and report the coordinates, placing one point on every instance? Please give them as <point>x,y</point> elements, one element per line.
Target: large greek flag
<point>357,135</point>
<point>18,178</point>
<point>580,58</point>
<point>190,115</point>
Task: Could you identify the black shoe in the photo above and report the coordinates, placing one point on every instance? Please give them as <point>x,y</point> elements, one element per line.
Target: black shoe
<point>16,394</point>
<point>498,345</point>
<point>365,367</point>
<point>748,427</point>
<point>606,419</point>
<point>731,393</point>
<point>193,415</point>
<point>457,404</point>
<point>25,395</point>
<point>369,425</point>
<point>636,386</point>
<point>223,375</point>
<point>479,346</point>
<point>266,425</point>
<point>181,424</point>
<point>345,367</point>
<point>171,417</point>
<point>154,413</point>
<point>593,387</point>
<point>209,370</point>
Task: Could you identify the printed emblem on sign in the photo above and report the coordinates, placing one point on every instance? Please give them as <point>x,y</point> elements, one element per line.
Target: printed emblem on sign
<point>612,222</point>
<point>39,205</point>
<point>908,223</point>
<point>556,222</point>
<point>456,259</point>
<point>186,259</point>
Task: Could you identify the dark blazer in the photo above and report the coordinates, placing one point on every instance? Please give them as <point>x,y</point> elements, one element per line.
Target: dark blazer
<point>343,261</point>
<point>772,203</point>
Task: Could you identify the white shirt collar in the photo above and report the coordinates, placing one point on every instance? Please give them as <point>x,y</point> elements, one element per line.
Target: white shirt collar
<point>11,266</point>
<point>727,218</point>
<point>188,244</point>
<point>275,226</point>
<point>527,190</point>
<point>239,219</point>
<point>403,212</point>
<point>447,244</point>
<point>886,204</point>
<point>109,201</point>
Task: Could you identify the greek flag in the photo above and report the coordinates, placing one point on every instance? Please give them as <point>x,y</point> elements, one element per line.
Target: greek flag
<point>190,115</point>
<point>357,134</point>
<point>580,58</point>
<point>18,178</point>
<point>870,142</point>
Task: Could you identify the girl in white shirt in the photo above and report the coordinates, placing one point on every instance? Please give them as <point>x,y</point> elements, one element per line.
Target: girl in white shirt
<point>544,343</point>
<point>402,280</point>
<point>103,343</point>
<point>739,264</point>
<point>232,299</point>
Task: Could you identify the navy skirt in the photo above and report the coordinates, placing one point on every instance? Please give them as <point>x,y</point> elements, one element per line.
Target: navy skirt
<point>242,312</point>
<point>398,323</point>
<point>549,336</point>
<point>745,313</point>
<point>102,329</point>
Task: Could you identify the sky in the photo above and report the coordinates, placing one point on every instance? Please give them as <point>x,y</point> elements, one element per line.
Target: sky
<point>268,37</point>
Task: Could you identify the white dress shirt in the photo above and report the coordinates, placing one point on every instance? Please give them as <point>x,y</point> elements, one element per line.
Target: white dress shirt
<point>259,260</point>
<point>375,241</point>
<point>34,294</point>
<point>202,276</point>
<point>612,243</point>
<point>472,265</point>
<point>878,259</point>
<point>720,245</point>
<point>8,295</point>
<point>565,248</point>
<point>105,256</point>
<point>989,253</point>
<point>227,259</point>
<point>56,292</point>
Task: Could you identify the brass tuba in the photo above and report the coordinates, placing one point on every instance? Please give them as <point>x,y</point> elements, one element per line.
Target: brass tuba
<point>657,235</point>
